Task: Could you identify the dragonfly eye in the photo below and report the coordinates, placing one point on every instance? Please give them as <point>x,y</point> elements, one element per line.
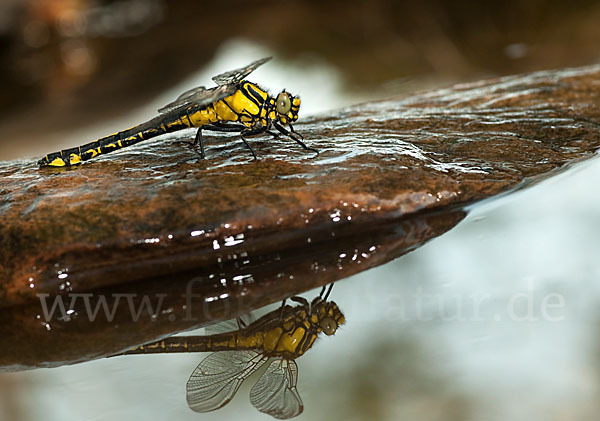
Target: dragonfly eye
<point>283,103</point>
<point>328,325</point>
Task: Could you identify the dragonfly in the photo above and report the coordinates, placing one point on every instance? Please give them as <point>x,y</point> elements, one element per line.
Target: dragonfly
<point>278,338</point>
<point>234,105</point>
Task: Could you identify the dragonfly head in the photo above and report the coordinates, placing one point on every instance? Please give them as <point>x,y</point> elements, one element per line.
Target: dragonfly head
<point>327,316</point>
<point>286,107</point>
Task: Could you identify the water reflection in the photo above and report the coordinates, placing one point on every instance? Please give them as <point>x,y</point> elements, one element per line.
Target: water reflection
<point>79,325</point>
<point>281,336</point>
<point>436,369</point>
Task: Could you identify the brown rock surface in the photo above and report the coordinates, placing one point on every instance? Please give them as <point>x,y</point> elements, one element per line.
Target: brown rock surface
<point>149,219</point>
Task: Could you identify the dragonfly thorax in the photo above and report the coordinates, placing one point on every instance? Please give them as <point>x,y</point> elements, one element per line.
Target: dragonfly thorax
<point>299,329</point>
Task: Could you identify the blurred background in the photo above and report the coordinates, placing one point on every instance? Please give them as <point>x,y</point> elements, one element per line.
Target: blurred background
<point>416,345</point>
<point>72,64</point>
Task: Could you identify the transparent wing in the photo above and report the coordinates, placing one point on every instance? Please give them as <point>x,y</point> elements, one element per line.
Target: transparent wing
<point>197,98</point>
<point>197,91</point>
<point>275,392</point>
<point>237,75</point>
<point>229,325</point>
<point>216,379</point>
<point>200,96</point>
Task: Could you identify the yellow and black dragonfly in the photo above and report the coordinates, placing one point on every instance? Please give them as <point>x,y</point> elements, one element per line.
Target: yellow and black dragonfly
<point>280,337</point>
<point>234,105</point>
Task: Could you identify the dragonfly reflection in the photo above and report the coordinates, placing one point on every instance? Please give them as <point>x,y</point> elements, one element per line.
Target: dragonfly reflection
<point>278,337</point>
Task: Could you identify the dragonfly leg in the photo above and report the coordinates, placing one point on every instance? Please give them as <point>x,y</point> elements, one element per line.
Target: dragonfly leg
<point>224,127</point>
<point>244,131</point>
<point>282,307</point>
<point>329,288</point>
<point>195,144</point>
<point>294,135</point>
<point>232,127</point>
<point>323,295</point>
<point>241,324</point>
<point>299,299</point>
<point>251,132</point>
<point>215,127</point>
<point>295,132</point>
<point>198,142</point>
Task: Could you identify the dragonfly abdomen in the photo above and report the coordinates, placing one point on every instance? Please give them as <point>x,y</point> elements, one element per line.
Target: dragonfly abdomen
<point>221,342</point>
<point>273,343</point>
<point>122,139</point>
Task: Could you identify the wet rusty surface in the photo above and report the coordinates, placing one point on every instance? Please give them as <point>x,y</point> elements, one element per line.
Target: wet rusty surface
<point>149,219</point>
<point>196,298</point>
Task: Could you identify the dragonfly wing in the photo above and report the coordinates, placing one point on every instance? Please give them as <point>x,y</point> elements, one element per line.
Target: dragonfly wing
<point>275,392</point>
<point>183,99</point>
<point>216,379</point>
<point>237,75</point>
<point>199,90</point>
<point>229,325</point>
<point>197,98</point>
